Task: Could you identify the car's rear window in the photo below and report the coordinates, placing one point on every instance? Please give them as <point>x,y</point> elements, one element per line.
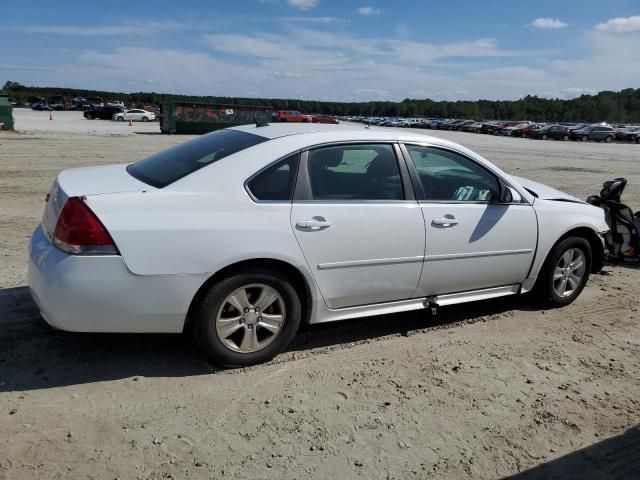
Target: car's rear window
<point>166,167</point>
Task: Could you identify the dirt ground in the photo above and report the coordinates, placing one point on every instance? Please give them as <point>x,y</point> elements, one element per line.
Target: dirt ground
<point>485,390</point>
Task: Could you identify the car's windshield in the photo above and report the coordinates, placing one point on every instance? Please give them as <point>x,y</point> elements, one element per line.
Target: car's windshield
<point>166,167</point>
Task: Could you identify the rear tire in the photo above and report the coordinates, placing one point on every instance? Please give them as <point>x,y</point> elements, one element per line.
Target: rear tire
<point>223,340</point>
<point>565,138</point>
<point>544,137</point>
<point>565,272</point>
<point>584,138</point>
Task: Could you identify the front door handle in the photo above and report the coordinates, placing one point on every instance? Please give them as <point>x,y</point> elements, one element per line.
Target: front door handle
<point>316,223</point>
<point>446,221</point>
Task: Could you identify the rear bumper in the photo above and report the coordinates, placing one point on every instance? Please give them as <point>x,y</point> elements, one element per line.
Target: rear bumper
<point>99,294</point>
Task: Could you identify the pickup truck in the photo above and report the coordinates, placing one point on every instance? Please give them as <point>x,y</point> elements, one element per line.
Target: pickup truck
<point>292,116</point>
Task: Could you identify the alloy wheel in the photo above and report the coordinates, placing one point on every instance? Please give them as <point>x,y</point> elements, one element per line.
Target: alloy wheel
<point>569,272</point>
<point>250,318</point>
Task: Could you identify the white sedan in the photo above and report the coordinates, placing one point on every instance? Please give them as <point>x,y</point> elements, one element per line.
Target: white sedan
<point>242,234</point>
<point>136,115</point>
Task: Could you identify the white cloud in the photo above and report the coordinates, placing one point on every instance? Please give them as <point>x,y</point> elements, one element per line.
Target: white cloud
<point>338,64</point>
<point>125,29</point>
<point>548,23</point>
<point>313,20</point>
<point>369,11</point>
<point>303,4</point>
<point>620,25</point>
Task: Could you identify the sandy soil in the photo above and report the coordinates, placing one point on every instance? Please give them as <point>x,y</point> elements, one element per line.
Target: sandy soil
<point>482,391</point>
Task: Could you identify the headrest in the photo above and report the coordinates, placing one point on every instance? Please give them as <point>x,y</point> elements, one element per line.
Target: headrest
<point>326,157</point>
<point>382,166</point>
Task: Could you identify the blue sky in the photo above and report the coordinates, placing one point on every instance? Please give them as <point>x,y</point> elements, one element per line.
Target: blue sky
<point>326,49</point>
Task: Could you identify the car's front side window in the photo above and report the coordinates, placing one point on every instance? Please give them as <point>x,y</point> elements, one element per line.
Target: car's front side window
<point>449,176</point>
<point>355,172</point>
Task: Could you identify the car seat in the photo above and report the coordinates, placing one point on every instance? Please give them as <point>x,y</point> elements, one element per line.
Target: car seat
<point>623,239</point>
<point>383,177</point>
<point>320,161</point>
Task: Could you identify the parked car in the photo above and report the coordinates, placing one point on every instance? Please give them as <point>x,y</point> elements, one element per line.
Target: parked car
<point>634,137</point>
<point>527,130</point>
<point>508,127</point>
<point>627,134</point>
<point>460,126</point>
<point>41,107</point>
<point>209,237</point>
<point>578,126</point>
<point>489,128</point>
<point>599,133</point>
<point>102,113</point>
<point>292,116</point>
<point>513,130</point>
<point>330,119</point>
<point>556,132</point>
<point>474,127</point>
<point>57,102</point>
<point>135,115</point>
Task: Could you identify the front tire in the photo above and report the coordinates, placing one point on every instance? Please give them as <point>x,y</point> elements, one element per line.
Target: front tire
<point>565,272</point>
<point>247,318</point>
<point>145,119</point>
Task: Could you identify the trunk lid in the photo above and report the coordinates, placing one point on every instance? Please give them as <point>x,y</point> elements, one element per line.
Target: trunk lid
<point>78,182</point>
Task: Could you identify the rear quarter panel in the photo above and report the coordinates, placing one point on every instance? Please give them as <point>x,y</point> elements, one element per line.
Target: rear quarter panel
<point>163,233</point>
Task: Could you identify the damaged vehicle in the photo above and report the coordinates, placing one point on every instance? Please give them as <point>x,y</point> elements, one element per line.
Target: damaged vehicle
<point>241,235</point>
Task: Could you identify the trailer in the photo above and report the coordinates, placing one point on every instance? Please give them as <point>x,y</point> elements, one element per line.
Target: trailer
<point>197,118</point>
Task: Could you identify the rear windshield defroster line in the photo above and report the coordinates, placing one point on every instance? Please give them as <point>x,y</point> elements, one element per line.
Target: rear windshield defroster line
<point>164,168</point>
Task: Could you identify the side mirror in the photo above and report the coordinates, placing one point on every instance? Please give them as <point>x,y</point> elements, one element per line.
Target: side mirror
<point>509,195</point>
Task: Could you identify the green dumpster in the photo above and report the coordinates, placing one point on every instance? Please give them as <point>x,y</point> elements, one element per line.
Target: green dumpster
<point>6,113</point>
<point>186,117</point>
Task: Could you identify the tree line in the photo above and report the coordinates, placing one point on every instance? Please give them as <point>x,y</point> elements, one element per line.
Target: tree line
<point>622,106</point>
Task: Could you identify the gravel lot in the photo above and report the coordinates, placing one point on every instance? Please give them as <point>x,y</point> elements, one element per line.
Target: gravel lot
<point>483,391</point>
<point>74,123</point>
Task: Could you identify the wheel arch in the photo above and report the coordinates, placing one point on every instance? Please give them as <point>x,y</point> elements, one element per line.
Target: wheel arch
<point>298,281</point>
<point>597,250</point>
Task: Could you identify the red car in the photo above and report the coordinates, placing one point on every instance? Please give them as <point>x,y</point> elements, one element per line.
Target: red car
<point>527,132</point>
<point>324,119</point>
<point>292,116</point>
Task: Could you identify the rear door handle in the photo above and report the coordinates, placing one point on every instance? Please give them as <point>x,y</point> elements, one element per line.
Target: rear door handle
<point>445,221</point>
<point>316,223</point>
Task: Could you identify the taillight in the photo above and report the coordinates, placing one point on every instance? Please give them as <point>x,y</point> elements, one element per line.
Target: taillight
<point>79,231</point>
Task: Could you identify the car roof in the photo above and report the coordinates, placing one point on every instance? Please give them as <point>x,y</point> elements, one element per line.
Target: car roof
<point>340,132</point>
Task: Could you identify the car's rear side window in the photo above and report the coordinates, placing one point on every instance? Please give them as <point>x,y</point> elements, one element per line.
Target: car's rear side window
<point>166,167</point>
<point>355,172</point>
<point>277,182</point>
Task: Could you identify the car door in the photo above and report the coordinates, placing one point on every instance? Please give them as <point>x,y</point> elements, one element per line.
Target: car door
<point>358,224</point>
<point>473,240</point>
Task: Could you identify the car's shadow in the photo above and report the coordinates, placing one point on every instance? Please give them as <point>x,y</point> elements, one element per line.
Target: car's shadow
<point>34,356</point>
<point>614,458</point>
